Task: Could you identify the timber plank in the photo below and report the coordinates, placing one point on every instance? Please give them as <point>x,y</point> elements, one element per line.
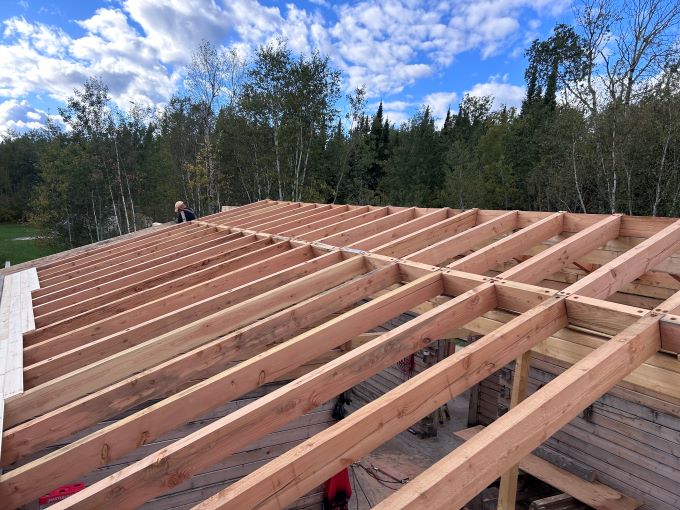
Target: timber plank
<point>448,248</point>
<point>594,494</point>
<point>510,246</point>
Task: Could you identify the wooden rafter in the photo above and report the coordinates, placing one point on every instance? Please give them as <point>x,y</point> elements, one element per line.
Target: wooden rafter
<point>243,297</point>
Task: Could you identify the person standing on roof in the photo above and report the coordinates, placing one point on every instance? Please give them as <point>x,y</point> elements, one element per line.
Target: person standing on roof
<point>183,212</point>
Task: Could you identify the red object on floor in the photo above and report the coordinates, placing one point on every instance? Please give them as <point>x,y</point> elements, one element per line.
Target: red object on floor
<point>338,483</point>
<point>61,493</point>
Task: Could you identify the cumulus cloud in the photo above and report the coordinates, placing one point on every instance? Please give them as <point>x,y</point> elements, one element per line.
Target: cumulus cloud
<point>389,45</point>
<point>504,94</point>
<point>140,47</point>
<point>439,103</point>
<point>18,116</point>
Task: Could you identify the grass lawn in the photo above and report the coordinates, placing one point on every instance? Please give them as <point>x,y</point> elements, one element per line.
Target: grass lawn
<point>20,250</point>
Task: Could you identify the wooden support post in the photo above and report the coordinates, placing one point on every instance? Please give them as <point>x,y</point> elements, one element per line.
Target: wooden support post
<point>507,493</point>
<point>594,494</point>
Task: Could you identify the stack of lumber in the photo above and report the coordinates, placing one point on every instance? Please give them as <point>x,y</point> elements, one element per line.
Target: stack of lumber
<point>16,317</point>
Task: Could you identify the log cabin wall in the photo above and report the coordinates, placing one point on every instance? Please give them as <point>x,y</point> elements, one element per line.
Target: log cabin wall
<point>623,439</point>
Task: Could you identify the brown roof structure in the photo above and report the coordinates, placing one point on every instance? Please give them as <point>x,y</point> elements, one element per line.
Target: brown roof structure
<point>200,313</point>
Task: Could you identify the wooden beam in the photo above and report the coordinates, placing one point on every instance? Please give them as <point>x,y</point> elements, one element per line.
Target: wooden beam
<point>141,481</point>
<point>292,474</point>
<point>181,240</point>
<point>454,480</point>
<point>240,210</point>
<point>304,216</point>
<point>510,246</point>
<point>319,214</point>
<point>115,246</point>
<point>214,243</point>
<point>56,357</point>
<point>466,240</point>
<point>262,215</point>
<point>507,492</point>
<point>327,231</point>
<point>656,377</point>
<point>609,278</point>
<point>150,423</point>
<point>64,389</point>
<point>107,304</point>
<point>206,359</point>
<point>428,235</point>
<point>352,212</point>
<point>181,301</point>
<point>560,255</point>
<point>352,235</point>
<point>171,270</point>
<point>391,234</point>
<point>593,494</point>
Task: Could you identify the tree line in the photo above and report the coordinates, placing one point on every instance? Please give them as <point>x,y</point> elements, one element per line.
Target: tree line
<point>598,132</point>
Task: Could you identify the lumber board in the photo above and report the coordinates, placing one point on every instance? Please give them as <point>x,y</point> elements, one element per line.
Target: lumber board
<point>448,248</point>
<point>594,494</point>
<point>459,476</point>
<point>429,235</point>
<point>510,246</point>
<point>221,438</point>
<point>291,474</point>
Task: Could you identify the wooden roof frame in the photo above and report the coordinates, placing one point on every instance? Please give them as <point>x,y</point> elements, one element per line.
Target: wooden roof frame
<point>259,292</point>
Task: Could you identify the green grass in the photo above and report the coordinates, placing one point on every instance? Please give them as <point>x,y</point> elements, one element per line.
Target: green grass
<point>17,251</point>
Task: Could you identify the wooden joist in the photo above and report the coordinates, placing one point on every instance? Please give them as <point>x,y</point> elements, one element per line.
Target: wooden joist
<point>594,494</point>
<point>455,479</point>
<point>201,313</point>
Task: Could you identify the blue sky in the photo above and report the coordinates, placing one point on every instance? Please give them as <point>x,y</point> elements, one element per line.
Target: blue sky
<point>407,53</point>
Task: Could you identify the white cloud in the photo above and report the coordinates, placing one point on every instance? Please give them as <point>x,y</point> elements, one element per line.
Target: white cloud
<point>139,47</point>
<point>18,116</point>
<point>389,45</point>
<point>396,118</point>
<point>439,103</point>
<point>502,92</point>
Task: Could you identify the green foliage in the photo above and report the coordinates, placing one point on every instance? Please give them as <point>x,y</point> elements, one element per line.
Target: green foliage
<point>270,128</point>
<point>20,242</point>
